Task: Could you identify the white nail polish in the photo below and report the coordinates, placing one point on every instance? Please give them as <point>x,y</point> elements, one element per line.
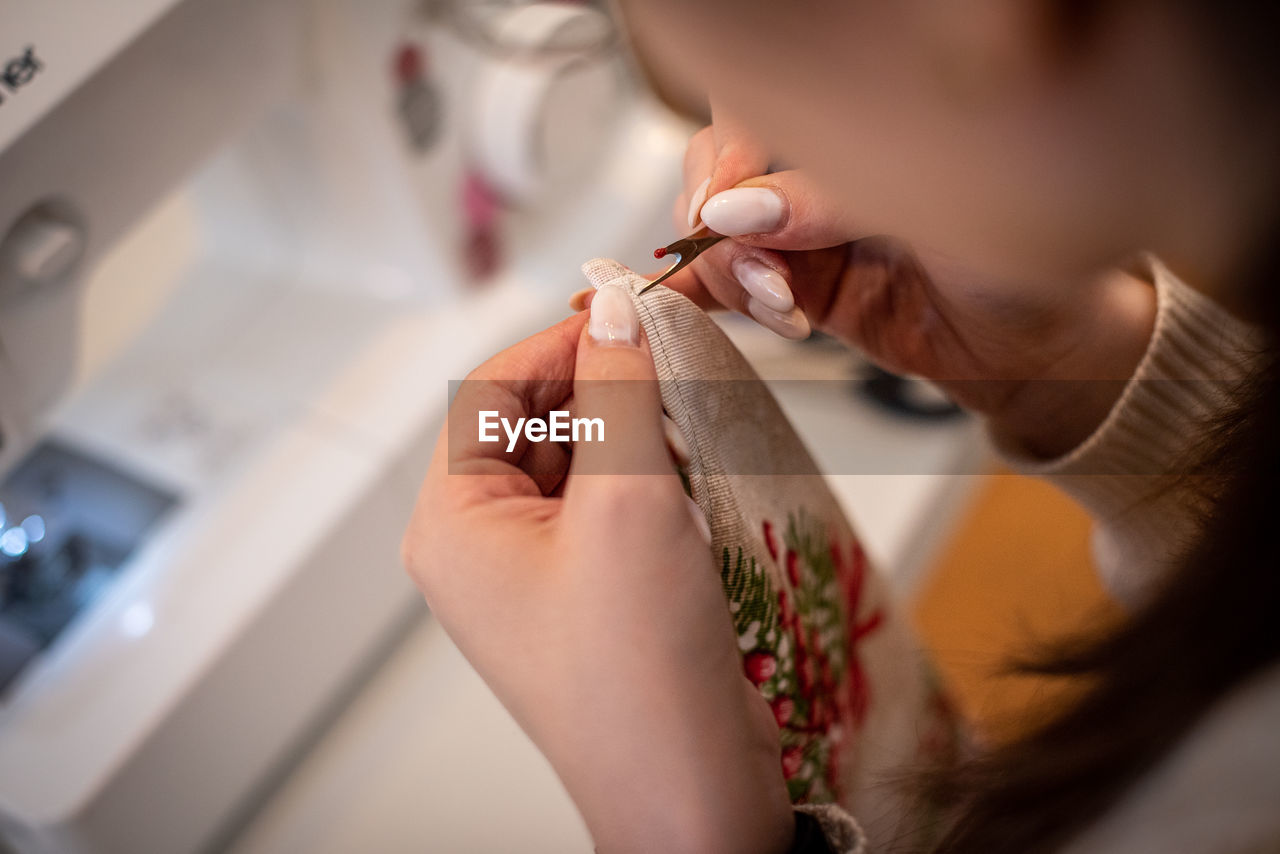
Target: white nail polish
<point>743,210</point>
<point>764,283</point>
<point>698,519</point>
<point>613,318</point>
<point>791,324</point>
<point>696,203</point>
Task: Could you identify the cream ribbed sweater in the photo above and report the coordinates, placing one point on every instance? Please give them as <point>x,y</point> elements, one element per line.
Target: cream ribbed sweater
<point>1122,473</point>
<point>1219,791</point>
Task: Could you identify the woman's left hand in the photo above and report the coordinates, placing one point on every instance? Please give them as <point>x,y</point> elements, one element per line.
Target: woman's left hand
<point>579,586</point>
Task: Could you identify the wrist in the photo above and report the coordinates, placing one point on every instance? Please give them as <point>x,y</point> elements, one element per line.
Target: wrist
<point>681,830</point>
<point>735,813</point>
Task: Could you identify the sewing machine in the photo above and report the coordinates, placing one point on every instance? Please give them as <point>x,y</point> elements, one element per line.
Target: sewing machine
<point>244,246</point>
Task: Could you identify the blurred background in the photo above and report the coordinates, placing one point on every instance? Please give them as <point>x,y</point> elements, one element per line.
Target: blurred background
<point>244,247</point>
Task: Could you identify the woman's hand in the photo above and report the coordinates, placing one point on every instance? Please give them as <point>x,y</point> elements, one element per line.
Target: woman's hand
<point>579,586</point>
<point>1045,364</point>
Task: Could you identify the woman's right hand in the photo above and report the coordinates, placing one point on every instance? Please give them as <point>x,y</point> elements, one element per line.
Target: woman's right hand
<point>1045,365</point>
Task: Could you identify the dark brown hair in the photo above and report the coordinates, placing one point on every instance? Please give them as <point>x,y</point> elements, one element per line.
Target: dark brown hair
<point>1210,627</point>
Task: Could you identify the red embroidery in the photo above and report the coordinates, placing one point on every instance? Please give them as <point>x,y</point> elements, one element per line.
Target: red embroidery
<point>791,759</point>
<point>869,625</point>
<point>799,626</point>
<point>769,542</point>
<point>759,666</point>
<point>783,707</point>
<point>793,568</point>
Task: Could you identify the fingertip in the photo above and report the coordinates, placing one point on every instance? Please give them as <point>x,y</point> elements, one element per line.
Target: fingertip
<point>793,324</point>
<point>676,442</point>
<point>699,519</point>
<point>581,299</point>
<point>742,211</point>
<point>603,358</point>
<point>614,321</point>
<point>696,202</point>
<point>763,283</point>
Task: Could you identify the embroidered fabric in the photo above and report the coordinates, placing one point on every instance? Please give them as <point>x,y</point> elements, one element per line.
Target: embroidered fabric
<point>820,636</point>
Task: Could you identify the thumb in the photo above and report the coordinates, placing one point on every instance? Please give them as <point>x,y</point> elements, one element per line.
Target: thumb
<point>615,389</point>
<point>781,210</point>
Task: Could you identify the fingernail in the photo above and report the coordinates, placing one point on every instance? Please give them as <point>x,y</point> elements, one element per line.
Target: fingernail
<point>743,210</point>
<point>676,443</point>
<point>790,324</point>
<point>698,519</point>
<point>578,299</point>
<point>613,318</point>
<point>764,283</point>
<point>696,203</point>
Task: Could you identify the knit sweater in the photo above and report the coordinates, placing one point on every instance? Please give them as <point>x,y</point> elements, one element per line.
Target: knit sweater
<point>1217,792</point>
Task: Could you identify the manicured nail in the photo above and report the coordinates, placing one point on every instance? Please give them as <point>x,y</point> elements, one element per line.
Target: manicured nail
<point>613,318</point>
<point>696,203</point>
<point>676,443</point>
<point>764,283</point>
<point>698,519</point>
<point>790,324</point>
<point>578,299</point>
<point>743,210</point>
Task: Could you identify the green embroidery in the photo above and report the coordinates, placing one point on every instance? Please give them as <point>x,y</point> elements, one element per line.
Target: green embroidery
<point>795,637</point>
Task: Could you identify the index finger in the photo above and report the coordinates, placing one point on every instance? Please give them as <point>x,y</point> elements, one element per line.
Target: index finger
<point>527,379</point>
<point>738,155</point>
